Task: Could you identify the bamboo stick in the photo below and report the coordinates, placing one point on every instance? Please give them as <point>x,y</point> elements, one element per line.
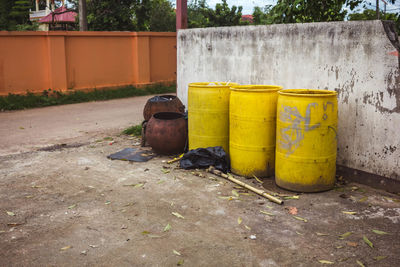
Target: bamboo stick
<point>175,159</point>
<point>260,192</point>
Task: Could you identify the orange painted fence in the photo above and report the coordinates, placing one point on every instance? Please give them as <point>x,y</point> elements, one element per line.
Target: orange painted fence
<point>37,61</point>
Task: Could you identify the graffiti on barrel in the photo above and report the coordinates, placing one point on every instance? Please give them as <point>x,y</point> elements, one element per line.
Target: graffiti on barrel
<point>293,134</point>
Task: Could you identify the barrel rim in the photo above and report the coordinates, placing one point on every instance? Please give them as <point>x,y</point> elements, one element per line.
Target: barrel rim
<point>256,88</point>
<point>206,84</point>
<point>308,92</point>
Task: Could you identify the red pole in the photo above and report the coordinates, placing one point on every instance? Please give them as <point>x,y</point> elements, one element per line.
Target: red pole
<point>181,14</point>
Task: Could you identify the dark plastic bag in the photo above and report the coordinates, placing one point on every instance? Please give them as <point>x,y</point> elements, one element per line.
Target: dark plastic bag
<point>132,154</point>
<point>201,158</point>
<point>161,98</point>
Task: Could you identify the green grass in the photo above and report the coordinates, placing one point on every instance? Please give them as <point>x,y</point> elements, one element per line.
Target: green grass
<point>52,98</point>
<point>135,130</point>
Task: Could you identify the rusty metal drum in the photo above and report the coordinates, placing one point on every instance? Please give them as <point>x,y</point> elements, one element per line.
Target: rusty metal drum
<point>166,133</point>
<point>162,103</point>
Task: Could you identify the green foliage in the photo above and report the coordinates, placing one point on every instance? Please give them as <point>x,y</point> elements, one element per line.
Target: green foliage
<point>20,11</point>
<point>130,15</point>
<point>34,26</point>
<point>162,16</point>
<point>5,9</point>
<point>135,130</point>
<point>155,15</point>
<point>14,15</point>
<point>370,14</point>
<point>198,11</point>
<point>200,15</point>
<point>286,11</point>
<point>262,16</point>
<point>51,98</point>
<point>299,11</point>
<point>142,14</point>
<point>110,15</point>
<point>225,16</point>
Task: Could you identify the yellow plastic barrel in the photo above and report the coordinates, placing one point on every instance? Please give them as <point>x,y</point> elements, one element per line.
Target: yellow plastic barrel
<point>306,140</point>
<point>208,114</point>
<point>252,120</point>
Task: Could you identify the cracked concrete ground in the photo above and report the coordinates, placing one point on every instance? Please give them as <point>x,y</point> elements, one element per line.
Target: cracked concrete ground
<point>74,207</point>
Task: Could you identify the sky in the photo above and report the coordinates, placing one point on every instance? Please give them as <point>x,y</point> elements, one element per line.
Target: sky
<point>248,5</point>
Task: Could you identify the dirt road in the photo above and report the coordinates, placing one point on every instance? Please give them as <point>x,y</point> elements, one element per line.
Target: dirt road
<point>22,131</point>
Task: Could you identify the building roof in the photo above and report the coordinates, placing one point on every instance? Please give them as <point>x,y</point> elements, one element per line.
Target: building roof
<point>248,18</point>
<point>61,15</point>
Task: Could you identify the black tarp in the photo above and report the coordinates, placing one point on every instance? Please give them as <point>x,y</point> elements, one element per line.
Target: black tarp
<point>132,154</point>
<point>201,158</point>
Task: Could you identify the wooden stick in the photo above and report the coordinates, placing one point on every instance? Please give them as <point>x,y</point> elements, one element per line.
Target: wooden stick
<point>228,176</point>
<point>175,159</point>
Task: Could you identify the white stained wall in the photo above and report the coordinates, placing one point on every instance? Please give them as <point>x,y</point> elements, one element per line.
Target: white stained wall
<point>357,59</point>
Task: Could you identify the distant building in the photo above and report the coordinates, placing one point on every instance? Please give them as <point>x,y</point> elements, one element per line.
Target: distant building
<point>51,18</point>
<point>248,18</point>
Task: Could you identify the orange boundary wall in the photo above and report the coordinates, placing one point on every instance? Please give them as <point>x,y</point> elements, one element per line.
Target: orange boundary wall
<point>37,61</point>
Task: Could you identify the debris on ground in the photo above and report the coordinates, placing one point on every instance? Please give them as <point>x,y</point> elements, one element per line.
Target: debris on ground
<point>260,192</point>
<point>202,158</point>
<point>133,154</point>
<point>292,210</point>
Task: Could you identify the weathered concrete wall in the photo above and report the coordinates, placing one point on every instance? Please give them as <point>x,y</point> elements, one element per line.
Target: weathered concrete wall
<point>357,59</point>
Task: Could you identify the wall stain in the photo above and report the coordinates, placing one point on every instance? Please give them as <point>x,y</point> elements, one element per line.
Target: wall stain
<point>389,149</point>
<point>393,88</point>
<point>337,73</point>
<point>347,88</point>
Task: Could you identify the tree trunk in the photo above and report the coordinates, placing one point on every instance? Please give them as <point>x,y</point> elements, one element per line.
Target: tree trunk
<point>377,9</point>
<point>82,15</point>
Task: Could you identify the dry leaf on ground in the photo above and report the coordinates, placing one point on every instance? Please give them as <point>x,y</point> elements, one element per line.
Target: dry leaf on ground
<point>325,262</point>
<point>300,219</point>
<point>167,228</point>
<point>369,243</point>
<point>378,232</point>
<point>343,236</point>
<point>176,252</point>
<point>178,215</point>
<point>292,210</point>
<point>352,244</point>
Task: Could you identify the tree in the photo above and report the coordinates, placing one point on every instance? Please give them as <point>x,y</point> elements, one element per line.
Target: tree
<point>5,18</point>
<point>142,14</point>
<point>288,11</point>
<point>262,16</point>
<point>298,11</point>
<point>200,15</point>
<point>14,15</point>
<point>370,14</point>
<point>130,15</point>
<point>162,16</point>
<point>198,11</point>
<point>225,16</point>
<point>155,15</point>
<point>110,15</point>
<point>82,16</point>
<point>20,11</point>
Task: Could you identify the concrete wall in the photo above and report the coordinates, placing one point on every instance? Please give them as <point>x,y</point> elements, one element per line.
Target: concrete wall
<point>38,61</point>
<point>357,59</point>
